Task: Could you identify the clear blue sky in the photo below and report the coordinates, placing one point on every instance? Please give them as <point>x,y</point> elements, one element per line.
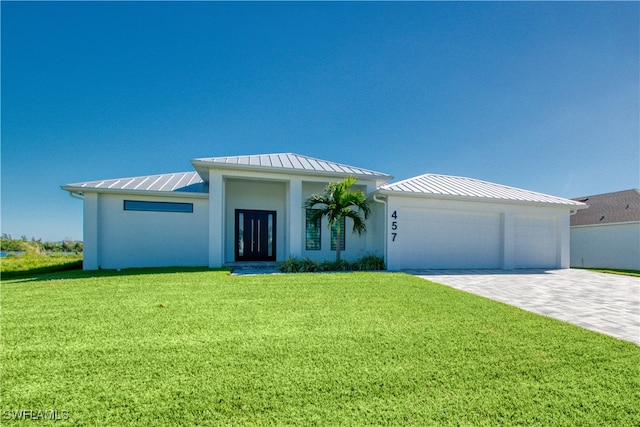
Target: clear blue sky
<point>542,96</point>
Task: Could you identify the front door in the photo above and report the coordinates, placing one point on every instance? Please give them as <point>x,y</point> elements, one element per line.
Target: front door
<point>255,235</point>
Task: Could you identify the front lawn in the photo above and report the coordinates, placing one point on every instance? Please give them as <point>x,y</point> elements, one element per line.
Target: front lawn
<point>28,264</point>
<point>169,347</point>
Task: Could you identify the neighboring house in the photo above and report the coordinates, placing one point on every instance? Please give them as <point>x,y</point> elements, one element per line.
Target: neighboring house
<point>249,208</point>
<point>607,234</point>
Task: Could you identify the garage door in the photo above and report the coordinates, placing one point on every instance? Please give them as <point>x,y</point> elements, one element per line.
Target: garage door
<point>434,238</point>
<point>535,242</point>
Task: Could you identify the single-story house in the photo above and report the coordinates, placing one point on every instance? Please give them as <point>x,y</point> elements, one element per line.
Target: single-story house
<point>249,208</point>
<point>607,235</point>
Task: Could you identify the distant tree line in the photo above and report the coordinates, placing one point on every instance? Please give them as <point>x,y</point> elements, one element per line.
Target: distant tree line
<point>33,246</point>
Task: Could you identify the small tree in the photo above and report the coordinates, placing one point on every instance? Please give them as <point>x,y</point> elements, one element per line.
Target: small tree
<point>337,201</point>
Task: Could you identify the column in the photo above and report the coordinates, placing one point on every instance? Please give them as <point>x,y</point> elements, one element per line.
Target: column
<point>216,220</point>
<point>508,241</point>
<point>90,232</point>
<point>563,241</point>
<point>294,214</point>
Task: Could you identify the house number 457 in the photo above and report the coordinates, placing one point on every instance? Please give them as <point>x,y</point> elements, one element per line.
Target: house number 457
<point>394,226</point>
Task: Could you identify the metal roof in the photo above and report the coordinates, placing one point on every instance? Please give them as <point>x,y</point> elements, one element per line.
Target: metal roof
<point>288,161</point>
<point>609,208</point>
<point>181,182</point>
<point>461,187</point>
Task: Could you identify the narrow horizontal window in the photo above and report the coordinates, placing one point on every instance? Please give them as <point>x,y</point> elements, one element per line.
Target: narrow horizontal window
<point>139,205</point>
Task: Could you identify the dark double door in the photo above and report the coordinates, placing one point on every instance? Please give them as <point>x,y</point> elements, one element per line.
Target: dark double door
<point>255,235</point>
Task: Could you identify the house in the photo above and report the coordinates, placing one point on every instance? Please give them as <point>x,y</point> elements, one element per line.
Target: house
<point>249,208</point>
<point>607,234</point>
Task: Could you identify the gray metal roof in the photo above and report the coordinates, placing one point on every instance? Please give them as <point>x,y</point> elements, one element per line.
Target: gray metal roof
<point>609,208</point>
<point>288,161</point>
<point>461,187</point>
<point>181,182</point>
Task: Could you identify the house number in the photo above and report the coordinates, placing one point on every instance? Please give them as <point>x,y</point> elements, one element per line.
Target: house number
<point>394,226</point>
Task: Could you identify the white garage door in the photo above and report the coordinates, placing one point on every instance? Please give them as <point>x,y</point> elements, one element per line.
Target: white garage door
<point>434,238</point>
<point>535,242</point>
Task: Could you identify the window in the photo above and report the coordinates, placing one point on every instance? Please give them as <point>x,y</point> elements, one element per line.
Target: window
<point>334,233</point>
<point>139,205</point>
<point>312,229</point>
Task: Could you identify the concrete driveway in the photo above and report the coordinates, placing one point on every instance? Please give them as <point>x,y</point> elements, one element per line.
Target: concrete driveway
<point>606,303</point>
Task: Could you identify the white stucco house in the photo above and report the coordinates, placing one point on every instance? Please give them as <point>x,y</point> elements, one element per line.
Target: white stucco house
<point>249,208</point>
<point>607,234</point>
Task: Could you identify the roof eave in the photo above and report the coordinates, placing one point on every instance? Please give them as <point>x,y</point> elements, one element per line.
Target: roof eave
<point>203,166</point>
<point>184,194</point>
<point>479,199</point>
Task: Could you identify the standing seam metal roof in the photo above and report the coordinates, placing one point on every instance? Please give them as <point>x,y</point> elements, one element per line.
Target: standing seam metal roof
<point>186,182</point>
<point>290,161</point>
<point>444,185</point>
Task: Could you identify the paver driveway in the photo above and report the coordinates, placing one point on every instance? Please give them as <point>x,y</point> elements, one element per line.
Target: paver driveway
<point>606,303</point>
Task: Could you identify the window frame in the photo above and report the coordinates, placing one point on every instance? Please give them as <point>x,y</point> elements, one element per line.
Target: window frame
<point>316,230</point>
<point>155,206</point>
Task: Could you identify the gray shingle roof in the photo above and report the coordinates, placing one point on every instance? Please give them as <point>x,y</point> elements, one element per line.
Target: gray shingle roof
<point>609,208</point>
<point>288,161</point>
<point>181,182</point>
<point>461,187</point>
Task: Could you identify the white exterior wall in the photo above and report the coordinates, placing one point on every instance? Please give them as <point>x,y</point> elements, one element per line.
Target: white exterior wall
<point>355,246</point>
<point>281,192</point>
<point>449,234</point>
<point>606,246</point>
<point>128,239</point>
<point>90,259</point>
<point>255,195</point>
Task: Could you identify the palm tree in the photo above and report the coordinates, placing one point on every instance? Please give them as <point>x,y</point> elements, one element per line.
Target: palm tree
<point>337,202</point>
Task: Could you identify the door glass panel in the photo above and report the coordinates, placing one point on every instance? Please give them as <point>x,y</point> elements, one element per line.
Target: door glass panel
<point>240,234</point>
<point>270,235</point>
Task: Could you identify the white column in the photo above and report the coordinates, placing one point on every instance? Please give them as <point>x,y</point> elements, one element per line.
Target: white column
<point>508,241</point>
<point>563,241</point>
<point>294,214</point>
<point>216,219</point>
<point>90,232</point>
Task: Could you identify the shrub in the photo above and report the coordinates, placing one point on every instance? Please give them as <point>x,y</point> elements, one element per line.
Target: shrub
<point>366,263</point>
<point>369,263</point>
<point>341,265</point>
<point>309,265</point>
<point>290,265</point>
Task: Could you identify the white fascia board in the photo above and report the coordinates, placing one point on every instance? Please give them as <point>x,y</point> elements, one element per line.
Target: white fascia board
<point>606,224</point>
<point>479,199</point>
<point>183,194</point>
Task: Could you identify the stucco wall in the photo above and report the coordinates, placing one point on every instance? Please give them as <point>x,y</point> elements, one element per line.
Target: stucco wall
<point>447,234</point>
<point>255,195</point>
<point>148,239</point>
<point>355,246</point>
<point>535,241</point>
<point>606,246</point>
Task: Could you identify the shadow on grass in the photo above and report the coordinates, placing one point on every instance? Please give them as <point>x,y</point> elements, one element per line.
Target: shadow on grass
<point>76,272</point>
<point>46,269</point>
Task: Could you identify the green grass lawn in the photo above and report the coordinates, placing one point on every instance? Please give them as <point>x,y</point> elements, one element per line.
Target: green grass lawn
<point>28,264</point>
<point>168,347</point>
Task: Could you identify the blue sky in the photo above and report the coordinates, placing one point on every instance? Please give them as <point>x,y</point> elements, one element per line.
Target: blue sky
<point>542,96</point>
